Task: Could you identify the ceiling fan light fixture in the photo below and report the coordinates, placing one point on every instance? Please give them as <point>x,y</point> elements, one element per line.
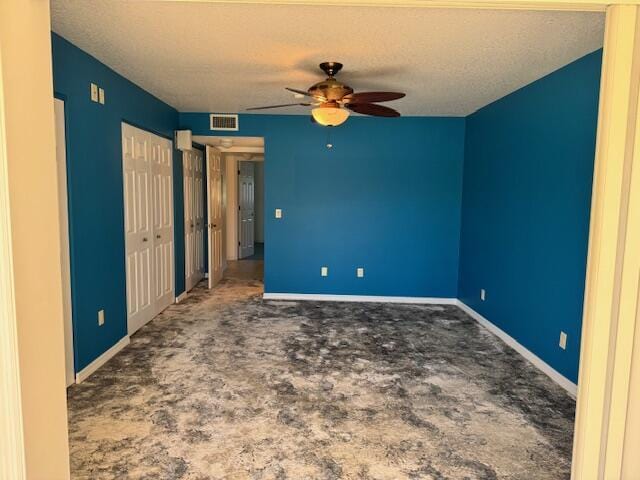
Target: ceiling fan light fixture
<point>330,115</point>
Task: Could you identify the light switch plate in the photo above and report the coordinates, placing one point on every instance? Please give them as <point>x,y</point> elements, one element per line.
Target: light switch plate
<point>100,318</point>
<point>101,95</point>
<point>483,294</point>
<point>324,271</point>
<point>278,213</point>
<point>360,272</point>
<point>94,92</point>
<point>563,340</point>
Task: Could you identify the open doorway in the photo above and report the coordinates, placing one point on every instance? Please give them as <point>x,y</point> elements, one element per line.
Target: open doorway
<point>251,209</point>
<point>236,192</point>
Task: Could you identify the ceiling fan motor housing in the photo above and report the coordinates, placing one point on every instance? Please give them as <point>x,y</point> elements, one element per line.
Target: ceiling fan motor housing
<point>331,89</point>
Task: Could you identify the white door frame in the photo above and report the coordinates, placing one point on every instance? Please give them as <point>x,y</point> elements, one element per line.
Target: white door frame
<point>61,158</point>
<point>231,162</point>
<point>36,27</point>
<point>12,448</point>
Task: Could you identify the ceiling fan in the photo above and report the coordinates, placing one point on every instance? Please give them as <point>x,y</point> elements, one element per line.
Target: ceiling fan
<point>332,100</point>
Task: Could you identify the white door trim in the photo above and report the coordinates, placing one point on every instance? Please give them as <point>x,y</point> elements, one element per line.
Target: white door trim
<point>602,446</point>
<point>61,159</point>
<point>11,426</point>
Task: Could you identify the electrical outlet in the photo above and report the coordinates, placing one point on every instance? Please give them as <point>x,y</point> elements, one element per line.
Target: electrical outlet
<point>94,92</point>
<point>483,294</point>
<point>324,271</point>
<point>563,340</point>
<point>359,272</point>
<point>101,95</point>
<point>100,318</point>
<point>278,213</point>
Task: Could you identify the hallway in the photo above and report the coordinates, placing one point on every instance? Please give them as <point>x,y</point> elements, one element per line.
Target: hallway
<point>228,386</point>
<point>245,269</point>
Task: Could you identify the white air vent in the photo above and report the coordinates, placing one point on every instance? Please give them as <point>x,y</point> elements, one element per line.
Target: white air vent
<point>224,121</point>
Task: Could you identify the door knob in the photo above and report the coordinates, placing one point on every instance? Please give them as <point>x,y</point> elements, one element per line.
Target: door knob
<point>157,236</point>
<point>144,239</point>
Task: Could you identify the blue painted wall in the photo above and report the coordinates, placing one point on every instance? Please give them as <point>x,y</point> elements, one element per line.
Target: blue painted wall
<point>526,203</point>
<point>94,169</point>
<point>387,197</point>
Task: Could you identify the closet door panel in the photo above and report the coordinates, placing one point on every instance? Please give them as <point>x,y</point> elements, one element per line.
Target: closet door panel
<point>148,224</point>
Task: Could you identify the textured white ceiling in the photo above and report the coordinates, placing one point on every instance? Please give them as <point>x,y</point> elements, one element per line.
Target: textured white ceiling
<point>226,57</point>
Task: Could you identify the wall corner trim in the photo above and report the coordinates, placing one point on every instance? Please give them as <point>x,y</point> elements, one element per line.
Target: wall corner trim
<point>181,297</point>
<point>322,297</point>
<point>548,370</point>
<point>83,374</point>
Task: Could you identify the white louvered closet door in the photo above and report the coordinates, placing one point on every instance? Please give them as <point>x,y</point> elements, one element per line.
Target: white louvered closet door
<point>148,224</point>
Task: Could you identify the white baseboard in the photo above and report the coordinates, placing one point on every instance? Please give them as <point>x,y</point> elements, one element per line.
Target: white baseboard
<point>182,296</point>
<point>321,297</point>
<point>540,364</point>
<point>83,374</point>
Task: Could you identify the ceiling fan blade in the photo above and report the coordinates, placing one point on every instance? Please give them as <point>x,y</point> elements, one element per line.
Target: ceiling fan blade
<point>280,106</point>
<point>373,97</point>
<point>372,109</point>
<point>305,93</point>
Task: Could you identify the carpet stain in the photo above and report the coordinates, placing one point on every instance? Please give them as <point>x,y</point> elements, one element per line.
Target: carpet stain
<point>227,385</point>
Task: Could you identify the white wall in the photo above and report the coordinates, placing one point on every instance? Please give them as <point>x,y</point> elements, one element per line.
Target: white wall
<point>259,201</point>
<point>33,244</point>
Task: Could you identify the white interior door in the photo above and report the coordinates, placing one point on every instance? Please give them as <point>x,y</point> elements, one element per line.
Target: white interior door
<point>214,214</point>
<point>246,202</point>
<point>193,217</point>
<point>148,221</point>
<point>198,201</point>
<point>189,221</point>
<point>162,171</point>
<point>61,160</point>
<point>137,223</point>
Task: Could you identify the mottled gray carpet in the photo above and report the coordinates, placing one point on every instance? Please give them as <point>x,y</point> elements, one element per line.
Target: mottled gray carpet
<point>229,386</point>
